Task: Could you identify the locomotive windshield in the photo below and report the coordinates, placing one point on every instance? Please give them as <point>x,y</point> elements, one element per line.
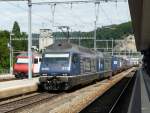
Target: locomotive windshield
<point>22,61</point>
<point>56,60</point>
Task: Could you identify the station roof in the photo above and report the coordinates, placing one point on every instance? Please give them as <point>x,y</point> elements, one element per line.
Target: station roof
<point>141,22</point>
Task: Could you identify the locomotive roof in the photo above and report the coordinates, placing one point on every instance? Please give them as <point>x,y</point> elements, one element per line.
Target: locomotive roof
<point>100,54</point>
<point>25,55</point>
<point>68,47</point>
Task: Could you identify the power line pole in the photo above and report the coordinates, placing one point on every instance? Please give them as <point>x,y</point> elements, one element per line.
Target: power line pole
<point>79,41</point>
<point>66,34</point>
<point>112,47</point>
<point>95,35</point>
<point>95,22</point>
<point>29,39</point>
<point>10,50</point>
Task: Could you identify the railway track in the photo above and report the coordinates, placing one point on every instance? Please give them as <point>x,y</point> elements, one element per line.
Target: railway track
<point>108,102</point>
<point>122,102</point>
<point>15,105</point>
<point>115,100</point>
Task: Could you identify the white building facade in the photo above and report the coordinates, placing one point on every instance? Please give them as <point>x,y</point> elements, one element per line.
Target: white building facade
<point>45,39</point>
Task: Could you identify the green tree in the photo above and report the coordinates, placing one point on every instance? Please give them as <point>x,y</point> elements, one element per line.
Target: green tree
<point>4,50</point>
<point>19,44</point>
<point>16,34</point>
<point>24,42</point>
<point>16,30</point>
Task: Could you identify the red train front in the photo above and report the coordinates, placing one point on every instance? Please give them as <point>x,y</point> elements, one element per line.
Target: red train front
<point>20,68</point>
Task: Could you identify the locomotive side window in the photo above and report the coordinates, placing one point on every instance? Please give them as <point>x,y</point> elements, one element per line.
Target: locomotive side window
<point>40,59</point>
<point>92,65</point>
<point>87,64</point>
<point>35,61</point>
<point>107,64</point>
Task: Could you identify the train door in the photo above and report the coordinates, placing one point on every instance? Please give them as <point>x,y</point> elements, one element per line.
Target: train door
<point>100,67</point>
<point>36,65</point>
<point>115,63</point>
<point>75,64</point>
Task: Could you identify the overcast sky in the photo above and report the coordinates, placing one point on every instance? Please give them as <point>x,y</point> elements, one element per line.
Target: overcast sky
<point>77,16</point>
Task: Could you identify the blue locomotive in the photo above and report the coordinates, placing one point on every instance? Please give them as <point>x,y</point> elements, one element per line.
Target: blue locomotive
<point>65,65</point>
<point>119,64</point>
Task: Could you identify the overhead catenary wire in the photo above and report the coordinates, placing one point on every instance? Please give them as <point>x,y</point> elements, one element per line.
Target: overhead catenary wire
<point>53,10</point>
<point>95,22</point>
<point>35,15</point>
<point>12,18</point>
<point>106,15</point>
<point>51,21</point>
<point>117,15</point>
<point>24,9</point>
<point>77,17</point>
<point>73,2</point>
<point>53,13</point>
<point>62,16</point>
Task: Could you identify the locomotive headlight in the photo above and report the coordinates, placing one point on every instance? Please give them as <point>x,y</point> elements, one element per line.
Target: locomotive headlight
<point>45,69</point>
<point>65,68</point>
<point>44,74</point>
<point>65,74</point>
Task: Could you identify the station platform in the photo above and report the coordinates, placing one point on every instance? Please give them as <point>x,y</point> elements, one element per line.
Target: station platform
<point>140,100</point>
<point>6,76</point>
<point>18,87</point>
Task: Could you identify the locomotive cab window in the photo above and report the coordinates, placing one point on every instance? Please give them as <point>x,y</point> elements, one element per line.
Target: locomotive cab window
<point>35,61</point>
<point>56,60</point>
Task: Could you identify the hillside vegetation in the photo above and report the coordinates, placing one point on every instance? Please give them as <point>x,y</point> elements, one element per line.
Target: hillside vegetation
<point>106,33</point>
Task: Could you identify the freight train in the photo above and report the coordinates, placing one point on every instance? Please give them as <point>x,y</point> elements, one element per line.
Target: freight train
<point>65,65</point>
<point>20,68</point>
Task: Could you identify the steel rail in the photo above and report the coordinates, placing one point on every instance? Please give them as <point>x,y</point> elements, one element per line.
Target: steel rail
<point>25,102</point>
<point>119,97</point>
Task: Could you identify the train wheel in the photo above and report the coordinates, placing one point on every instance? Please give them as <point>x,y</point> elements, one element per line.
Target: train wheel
<point>17,76</point>
<point>41,87</point>
<point>22,76</point>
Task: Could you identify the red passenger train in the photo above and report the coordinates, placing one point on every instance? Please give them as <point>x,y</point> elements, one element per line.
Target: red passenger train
<point>20,68</point>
